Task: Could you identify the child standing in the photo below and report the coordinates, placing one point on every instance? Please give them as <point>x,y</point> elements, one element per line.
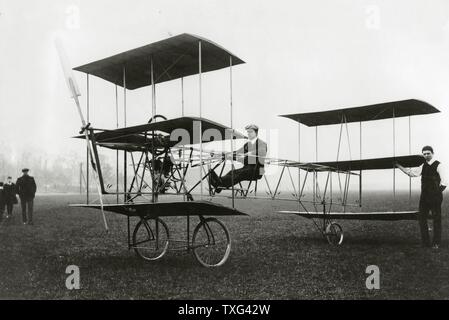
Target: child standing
<point>9,196</point>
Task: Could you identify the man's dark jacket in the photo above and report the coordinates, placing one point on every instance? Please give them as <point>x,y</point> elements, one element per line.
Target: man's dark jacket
<point>254,155</point>
<point>430,183</point>
<point>9,193</point>
<point>26,187</point>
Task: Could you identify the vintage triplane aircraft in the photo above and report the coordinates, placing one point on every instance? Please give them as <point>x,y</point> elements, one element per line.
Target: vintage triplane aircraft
<point>170,167</point>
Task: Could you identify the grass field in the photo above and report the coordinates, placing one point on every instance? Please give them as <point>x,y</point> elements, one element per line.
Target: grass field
<point>273,257</point>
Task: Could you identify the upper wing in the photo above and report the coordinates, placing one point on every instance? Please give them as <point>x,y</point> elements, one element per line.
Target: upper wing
<point>378,111</point>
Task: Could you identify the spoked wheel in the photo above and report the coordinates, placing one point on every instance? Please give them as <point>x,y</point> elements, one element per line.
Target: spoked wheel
<point>334,233</point>
<point>211,243</point>
<point>150,239</point>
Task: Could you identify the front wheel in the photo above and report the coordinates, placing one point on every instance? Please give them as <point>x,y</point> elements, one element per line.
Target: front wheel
<point>150,239</point>
<point>211,242</point>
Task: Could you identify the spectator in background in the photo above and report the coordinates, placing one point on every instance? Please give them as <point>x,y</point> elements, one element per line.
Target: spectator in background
<point>2,202</point>
<point>26,189</point>
<point>9,196</point>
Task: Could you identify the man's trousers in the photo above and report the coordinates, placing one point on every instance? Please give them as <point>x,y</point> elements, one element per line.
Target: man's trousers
<point>433,205</point>
<point>246,173</point>
<point>27,210</point>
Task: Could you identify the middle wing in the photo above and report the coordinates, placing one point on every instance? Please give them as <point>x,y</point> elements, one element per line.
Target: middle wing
<point>375,163</point>
<point>178,131</point>
<point>357,165</point>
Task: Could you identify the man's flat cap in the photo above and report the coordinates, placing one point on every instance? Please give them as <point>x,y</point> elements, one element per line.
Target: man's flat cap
<point>25,170</point>
<point>252,126</point>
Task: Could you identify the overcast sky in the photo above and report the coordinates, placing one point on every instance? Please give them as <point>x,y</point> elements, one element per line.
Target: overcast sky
<point>300,56</point>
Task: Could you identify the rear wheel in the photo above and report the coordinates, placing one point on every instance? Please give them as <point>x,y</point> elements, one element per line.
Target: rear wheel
<point>334,234</point>
<point>150,239</point>
<point>211,242</point>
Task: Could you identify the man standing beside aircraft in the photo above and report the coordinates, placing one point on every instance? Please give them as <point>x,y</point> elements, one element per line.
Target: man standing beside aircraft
<point>26,189</point>
<point>432,186</point>
<point>252,154</point>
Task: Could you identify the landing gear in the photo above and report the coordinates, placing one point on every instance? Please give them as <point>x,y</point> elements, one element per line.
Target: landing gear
<point>334,233</point>
<point>150,239</point>
<point>211,242</point>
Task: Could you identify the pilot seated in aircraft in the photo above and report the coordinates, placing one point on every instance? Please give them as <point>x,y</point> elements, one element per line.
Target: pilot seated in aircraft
<point>432,186</point>
<point>252,155</point>
<point>162,170</point>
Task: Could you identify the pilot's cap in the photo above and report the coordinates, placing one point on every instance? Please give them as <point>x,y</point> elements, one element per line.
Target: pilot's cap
<point>25,170</point>
<point>252,126</point>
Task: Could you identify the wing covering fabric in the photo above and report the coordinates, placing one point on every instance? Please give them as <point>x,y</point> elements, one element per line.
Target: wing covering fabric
<point>375,163</point>
<point>173,58</point>
<point>167,209</point>
<point>379,111</point>
<point>356,165</point>
<point>374,216</point>
<point>180,131</point>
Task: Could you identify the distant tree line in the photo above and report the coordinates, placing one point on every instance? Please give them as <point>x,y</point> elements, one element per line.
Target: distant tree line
<point>53,174</point>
